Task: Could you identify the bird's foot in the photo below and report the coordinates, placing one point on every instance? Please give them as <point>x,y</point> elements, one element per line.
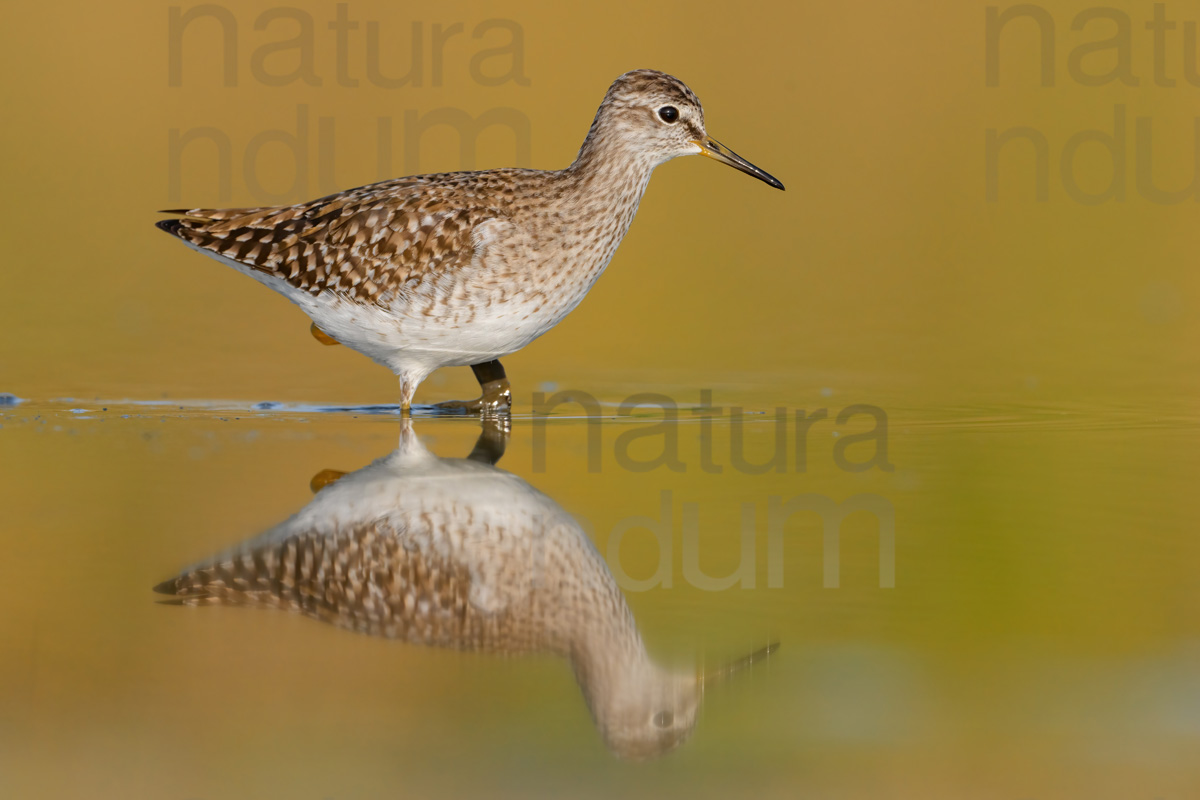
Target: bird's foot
<point>321,336</point>
<point>496,399</point>
<point>324,478</point>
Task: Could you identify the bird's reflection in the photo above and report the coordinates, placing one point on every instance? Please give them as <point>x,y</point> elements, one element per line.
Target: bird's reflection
<point>458,553</point>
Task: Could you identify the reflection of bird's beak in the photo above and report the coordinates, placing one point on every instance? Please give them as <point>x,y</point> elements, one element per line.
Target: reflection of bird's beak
<point>723,673</point>
<point>715,150</point>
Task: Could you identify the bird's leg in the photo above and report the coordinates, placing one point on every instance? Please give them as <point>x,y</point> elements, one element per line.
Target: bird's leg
<point>493,438</point>
<point>493,385</point>
<point>408,387</point>
<point>321,336</point>
<point>324,478</point>
<point>497,396</point>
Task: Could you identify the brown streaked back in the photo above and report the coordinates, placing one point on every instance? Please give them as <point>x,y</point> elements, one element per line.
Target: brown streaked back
<point>362,243</point>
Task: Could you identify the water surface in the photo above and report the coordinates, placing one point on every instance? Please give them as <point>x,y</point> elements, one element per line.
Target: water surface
<point>1040,639</point>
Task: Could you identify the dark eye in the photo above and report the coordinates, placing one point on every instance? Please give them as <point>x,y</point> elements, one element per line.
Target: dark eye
<point>663,719</point>
<point>668,113</point>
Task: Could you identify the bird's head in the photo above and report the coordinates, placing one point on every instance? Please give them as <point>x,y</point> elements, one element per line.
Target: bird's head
<point>658,117</point>
<point>645,710</point>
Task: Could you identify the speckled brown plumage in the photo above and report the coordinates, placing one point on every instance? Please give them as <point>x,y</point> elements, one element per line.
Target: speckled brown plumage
<point>361,579</point>
<point>363,242</point>
<point>462,268</point>
<point>374,578</point>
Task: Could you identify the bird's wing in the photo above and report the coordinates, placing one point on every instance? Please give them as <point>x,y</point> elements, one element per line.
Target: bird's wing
<point>361,577</point>
<point>364,243</point>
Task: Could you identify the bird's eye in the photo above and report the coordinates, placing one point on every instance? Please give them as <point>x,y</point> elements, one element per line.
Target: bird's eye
<point>663,719</point>
<point>668,114</point>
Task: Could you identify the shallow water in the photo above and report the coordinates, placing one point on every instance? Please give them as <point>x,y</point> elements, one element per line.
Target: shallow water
<point>1040,639</point>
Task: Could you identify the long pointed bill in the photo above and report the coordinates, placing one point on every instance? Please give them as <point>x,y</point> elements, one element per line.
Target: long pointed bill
<point>727,671</point>
<point>715,150</point>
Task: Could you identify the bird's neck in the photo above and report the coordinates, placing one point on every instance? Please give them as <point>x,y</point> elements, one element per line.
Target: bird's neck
<point>609,175</point>
<point>606,654</point>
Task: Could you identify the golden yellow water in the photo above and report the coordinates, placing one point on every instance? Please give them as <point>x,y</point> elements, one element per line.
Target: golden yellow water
<point>1036,363</point>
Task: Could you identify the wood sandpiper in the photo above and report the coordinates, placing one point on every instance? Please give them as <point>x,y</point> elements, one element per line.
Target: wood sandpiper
<point>462,268</point>
<point>457,553</point>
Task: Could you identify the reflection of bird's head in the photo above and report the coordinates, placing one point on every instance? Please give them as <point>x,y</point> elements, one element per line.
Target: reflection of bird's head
<point>643,710</point>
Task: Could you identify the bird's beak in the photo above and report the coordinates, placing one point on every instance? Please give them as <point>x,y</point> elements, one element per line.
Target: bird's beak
<point>723,673</point>
<point>715,150</point>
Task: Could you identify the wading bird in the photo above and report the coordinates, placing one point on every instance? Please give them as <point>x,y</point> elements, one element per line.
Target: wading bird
<point>463,268</point>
